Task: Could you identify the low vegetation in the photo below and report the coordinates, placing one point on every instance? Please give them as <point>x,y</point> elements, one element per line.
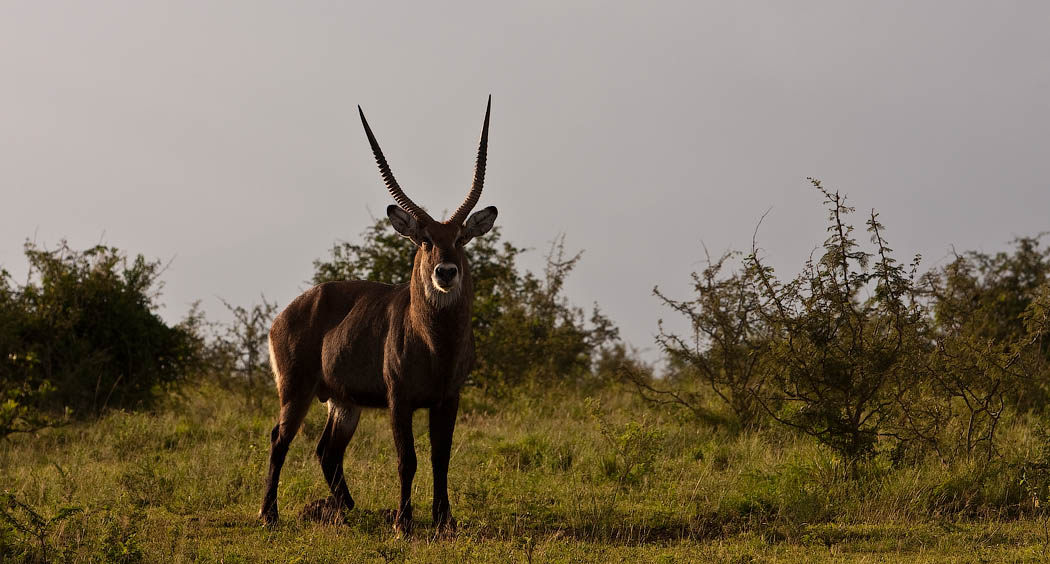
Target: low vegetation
<point>861,411</point>
<point>552,475</point>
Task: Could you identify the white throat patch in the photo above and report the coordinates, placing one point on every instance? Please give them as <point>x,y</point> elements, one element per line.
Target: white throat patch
<point>438,297</point>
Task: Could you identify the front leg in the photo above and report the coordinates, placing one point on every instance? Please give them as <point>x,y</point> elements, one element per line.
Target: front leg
<point>442,426</point>
<point>401,419</point>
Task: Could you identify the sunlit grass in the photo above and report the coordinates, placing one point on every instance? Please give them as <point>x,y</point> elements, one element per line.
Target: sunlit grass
<point>544,476</point>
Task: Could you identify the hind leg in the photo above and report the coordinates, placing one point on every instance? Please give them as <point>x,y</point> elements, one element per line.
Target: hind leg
<point>342,422</point>
<point>293,411</point>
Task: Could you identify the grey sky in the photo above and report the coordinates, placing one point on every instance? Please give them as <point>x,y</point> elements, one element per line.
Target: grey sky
<point>225,134</point>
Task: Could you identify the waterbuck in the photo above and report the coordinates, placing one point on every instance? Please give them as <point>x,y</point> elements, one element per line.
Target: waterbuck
<point>357,344</point>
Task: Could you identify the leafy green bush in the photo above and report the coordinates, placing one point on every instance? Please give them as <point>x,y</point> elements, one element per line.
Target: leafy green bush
<point>83,334</point>
<point>987,294</point>
<point>19,397</point>
<point>993,351</point>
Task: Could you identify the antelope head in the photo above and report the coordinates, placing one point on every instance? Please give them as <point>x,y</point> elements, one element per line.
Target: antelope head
<point>440,264</point>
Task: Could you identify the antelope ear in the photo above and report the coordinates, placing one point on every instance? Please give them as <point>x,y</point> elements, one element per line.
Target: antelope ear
<point>479,223</point>
<point>403,222</point>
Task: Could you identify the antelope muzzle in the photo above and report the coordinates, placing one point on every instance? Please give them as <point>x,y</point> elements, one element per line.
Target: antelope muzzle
<point>445,276</point>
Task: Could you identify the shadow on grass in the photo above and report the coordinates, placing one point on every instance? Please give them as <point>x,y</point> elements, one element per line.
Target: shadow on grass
<point>619,529</point>
<point>624,532</point>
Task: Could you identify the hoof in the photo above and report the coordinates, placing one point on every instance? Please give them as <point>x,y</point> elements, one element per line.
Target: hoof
<point>447,526</point>
<point>403,522</point>
<point>402,530</point>
<point>269,516</point>
<point>443,519</point>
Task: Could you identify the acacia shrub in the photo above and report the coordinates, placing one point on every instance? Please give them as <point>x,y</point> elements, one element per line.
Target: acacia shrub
<point>862,354</point>
<point>241,350</point>
<point>724,350</point>
<point>836,352</point>
<point>991,356</point>
<point>844,363</point>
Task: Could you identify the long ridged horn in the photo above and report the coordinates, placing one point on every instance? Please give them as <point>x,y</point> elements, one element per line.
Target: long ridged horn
<point>479,173</point>
<point>402,200</point>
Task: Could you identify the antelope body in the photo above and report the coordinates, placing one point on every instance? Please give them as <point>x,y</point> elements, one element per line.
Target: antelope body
<point>357,344</point>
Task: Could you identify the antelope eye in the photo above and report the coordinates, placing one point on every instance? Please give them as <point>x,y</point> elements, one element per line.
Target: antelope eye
<point>427,241</point>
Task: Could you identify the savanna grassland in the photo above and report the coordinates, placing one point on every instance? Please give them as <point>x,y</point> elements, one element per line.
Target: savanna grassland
<point>861,411</point>
<point>549,475</point>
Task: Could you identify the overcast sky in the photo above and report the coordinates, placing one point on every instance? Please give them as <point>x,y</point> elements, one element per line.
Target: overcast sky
<point>224,135</point>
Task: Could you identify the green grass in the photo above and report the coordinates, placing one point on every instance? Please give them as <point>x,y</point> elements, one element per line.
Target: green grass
<point>548,476</point>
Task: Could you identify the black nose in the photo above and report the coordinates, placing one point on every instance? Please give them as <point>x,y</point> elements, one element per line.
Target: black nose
<point>446,273</point>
